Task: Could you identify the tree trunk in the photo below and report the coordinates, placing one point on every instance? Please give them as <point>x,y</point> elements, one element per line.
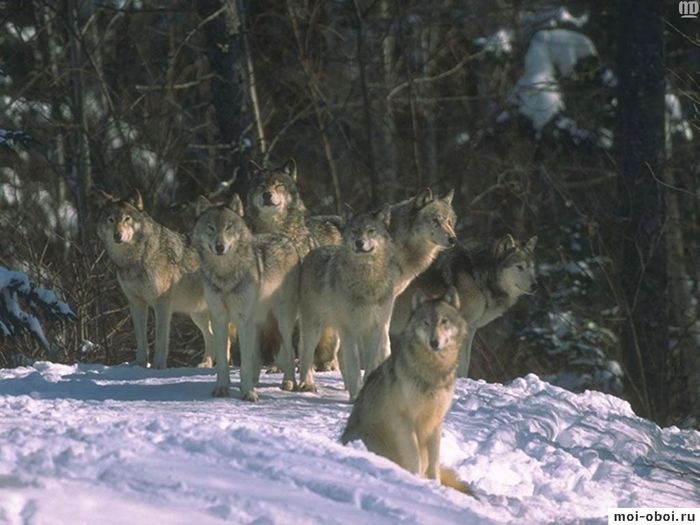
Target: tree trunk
<point>224,49</point>
<point>642,205</point>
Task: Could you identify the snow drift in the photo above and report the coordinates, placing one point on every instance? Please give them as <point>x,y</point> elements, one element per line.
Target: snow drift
<point>130,445</point>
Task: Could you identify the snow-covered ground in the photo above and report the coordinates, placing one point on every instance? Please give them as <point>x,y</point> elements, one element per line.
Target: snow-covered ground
<point>96,444</point>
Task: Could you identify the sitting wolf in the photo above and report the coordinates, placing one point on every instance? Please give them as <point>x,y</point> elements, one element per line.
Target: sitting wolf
<point>400,409</point>
<point>156,268</point>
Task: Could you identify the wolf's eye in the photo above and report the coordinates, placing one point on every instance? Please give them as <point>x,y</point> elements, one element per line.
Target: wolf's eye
<point>426,323</point>
<point>443,320</point>
<point>371,231</point>
<point>229,226</point>
<point>110,220</point>
<point>520,267</point>
<point>127,218</point>
<point>436,222</point>
<point>211,228</point>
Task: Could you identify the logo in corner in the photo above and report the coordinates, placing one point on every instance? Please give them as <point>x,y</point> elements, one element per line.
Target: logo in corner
<point>689,8</point>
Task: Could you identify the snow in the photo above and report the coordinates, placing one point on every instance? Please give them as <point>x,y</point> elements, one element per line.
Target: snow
<point>551,54</point>
<point>124,444</point>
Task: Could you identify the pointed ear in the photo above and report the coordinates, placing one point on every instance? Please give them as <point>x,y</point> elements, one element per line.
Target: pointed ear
<point>203,204</point>
<point>135,199</point>
<point>290,168</point>
<point>504,246</point>
<point>418,299</point>
<point>423,198</point>
<point>102,197</point>
<point>531,243</point>
<point>236,204</point>
<point>348,214</point>
<point>450,195</point>
<point>451,297</point>
<point>254,168</point>
<point>384,215</point>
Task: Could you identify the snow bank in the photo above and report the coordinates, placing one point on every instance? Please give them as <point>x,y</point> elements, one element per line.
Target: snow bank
<point>130,445</point>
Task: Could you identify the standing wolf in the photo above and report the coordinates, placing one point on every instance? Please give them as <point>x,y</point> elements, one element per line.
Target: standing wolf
<point>489,281</point>
<point>421,227</point>
<point>156,268</point>
<point>275,206</point>
<point>246,278</point>
<point>400,409</point>
<point>351,289</point>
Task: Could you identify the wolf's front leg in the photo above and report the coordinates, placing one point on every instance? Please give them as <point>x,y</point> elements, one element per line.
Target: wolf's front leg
<point>219,327</point>
<point>202,321</point>
<point>350,363</point>
<point>248,343</point>
<point>465,353</point>
<point>164,313</point>
<point>139,316</point>
<point>433,467</point>
<point>286,328</point>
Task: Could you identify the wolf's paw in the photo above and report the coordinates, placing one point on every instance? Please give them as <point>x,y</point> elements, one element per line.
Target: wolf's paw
<point>221,391</point>
<point>327,366</point>
<point>251,395</point>
<point>306,387</point>
<point>287,385</point>
<point>207,362</point>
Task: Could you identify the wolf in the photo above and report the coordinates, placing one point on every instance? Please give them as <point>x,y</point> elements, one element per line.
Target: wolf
<point>399,412</point>
<point>246,278</point>
<point>421,228</point>
<point>351,289</point>
<point>274,205</point>
<point>489,280</point>
<point>156,268</point>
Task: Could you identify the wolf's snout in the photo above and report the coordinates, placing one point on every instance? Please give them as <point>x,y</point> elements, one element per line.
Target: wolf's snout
<point>267,197</point>
<point>434,344</point>
<point>452,240</point>
<point>359,244</point>
<point>219,248</point>
<point>117,237</point>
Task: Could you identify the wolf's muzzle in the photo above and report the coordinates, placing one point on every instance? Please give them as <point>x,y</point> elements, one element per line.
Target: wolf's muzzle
<point>117,237</point>
<point>219,248</point>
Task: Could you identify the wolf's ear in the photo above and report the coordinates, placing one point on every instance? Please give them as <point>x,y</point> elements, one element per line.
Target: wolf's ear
<point>504,246</point>
<point>135,199</point>
<point>348,214</point>
<point>531,243</point>
<point>384,215</point>
<point>290,168</point>
<point>102,197</point>
<point>451,297</point>
<point>418,299</point>
<point>203,204</point>
<point>450,195</point>
<point>236,204</point>
<point>423,198</point>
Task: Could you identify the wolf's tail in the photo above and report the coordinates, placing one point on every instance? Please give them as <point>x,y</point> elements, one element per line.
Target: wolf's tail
<point>449,478</point>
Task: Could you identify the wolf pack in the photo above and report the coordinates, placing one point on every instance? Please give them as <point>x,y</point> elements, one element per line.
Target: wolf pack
<point>390,292</point>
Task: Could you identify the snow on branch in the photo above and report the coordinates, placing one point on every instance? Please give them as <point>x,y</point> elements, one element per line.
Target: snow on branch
<point>11,139</point>
<point>552,54</point>
<point>17,295</point>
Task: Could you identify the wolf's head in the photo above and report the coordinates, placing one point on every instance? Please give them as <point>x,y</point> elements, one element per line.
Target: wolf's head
<point>273,191</point>
<point>437,324</point>
<point>120,221</point>
<point>515,261</point>
<point>367,232</point>
<point>433,219</point>
<point>219,228</point>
